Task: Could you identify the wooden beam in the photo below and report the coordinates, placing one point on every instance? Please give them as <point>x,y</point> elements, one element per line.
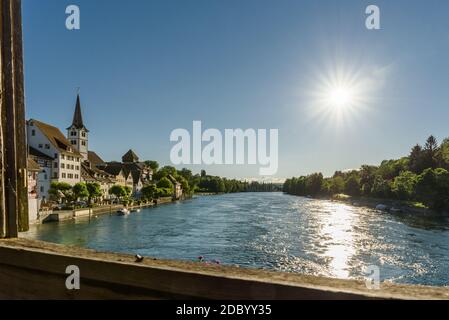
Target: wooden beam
<point>14,214</point>
<point>36,270</point>
<point>20,128</point>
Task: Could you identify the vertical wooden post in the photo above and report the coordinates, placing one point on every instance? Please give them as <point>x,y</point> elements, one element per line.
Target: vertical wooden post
<point>14,191</point>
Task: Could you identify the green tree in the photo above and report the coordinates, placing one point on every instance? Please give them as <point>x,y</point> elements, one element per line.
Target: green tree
<point>404,185</point>
<point>94,191</point>
<point>165,183</point>
<point>149,192</point>
<point>417,159</point>
<point>60,191</point>
<point>337,185</point>
<point>118,191</point>
<point>154,165</point>
<point>432,188</point>
<point>381,187</point>
<point>165,171</point>
<point>314,183</point>
<point>80,191</point>
<point>431,152</point>
<point>352,185</point>
<point>186,174</point>
<point>367,176</point>
<point>444,154</point>
<point>184,184</point>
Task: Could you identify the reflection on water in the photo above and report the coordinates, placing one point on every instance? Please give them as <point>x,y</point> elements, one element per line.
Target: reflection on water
<point>274,231</point>
<point>337,230</point>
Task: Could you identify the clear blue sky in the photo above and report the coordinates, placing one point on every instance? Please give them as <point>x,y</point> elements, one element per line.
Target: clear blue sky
<point>148,67</point>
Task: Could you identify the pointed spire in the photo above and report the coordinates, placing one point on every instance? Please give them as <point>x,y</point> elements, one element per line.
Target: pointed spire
<point>77,116</point>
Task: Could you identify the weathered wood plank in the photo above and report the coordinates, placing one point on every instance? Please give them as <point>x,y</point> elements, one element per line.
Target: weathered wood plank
<point>19,109</point>
<point>13,183</point>
<point>104,273</point>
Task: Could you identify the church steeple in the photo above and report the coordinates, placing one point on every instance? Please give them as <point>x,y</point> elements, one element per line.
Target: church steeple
<point>77,122</point>
<point>77,133</point>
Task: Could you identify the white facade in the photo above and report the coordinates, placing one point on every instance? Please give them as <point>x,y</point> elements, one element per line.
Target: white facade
<point>79,140</point>
<point>65,166</point>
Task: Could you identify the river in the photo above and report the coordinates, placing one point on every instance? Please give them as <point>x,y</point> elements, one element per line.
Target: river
<point>273,231</point>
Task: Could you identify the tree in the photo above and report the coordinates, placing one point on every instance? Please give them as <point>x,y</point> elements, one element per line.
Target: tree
<point>149,192</point>
<point>431,152</point>
<point>80,191</point>
<point>352,185</point>
<point>165,183</point>
<point>165,171</point>
<point>432,188</point>
<point>118,191</point>
<point>186,174</point>
<point>367,176</point>
<point>60,190</point>
<point>443,155</point>
<point>404,185</point>
<point>416,159</point>
<point>94,191</point>
<point>184,184</point>
<point>128,191</point>
<point>337,185</point>
<point>314,183</point>
<point>381,187</point>
<point>154,165</point>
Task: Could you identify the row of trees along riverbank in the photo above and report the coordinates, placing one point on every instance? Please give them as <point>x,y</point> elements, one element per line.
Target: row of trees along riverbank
<point>162,187</point>
<point>422,177</point>
<point>204,183</point>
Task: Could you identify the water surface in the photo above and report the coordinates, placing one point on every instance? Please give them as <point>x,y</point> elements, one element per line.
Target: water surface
<point>273,231</point>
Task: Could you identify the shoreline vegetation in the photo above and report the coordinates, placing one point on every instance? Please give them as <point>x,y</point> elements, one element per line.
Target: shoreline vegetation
<point>86,195</point>
<point>417,183</point>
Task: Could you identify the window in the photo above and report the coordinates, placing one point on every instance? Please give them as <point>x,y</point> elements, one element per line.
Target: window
<point>70,175</point>
<point>83,134</point>
<point>77,167</point>
<point>33,132</point>
<point>47,146</point>
<point>76,176</point>
<point>62,157</point>
<point>73,133</point>
<point>63,175</point>
<point>55,165</point>
<point>62,165</point>
<point>45,176</point>
<point>40,145</point>
<point>42,189</point>
<point>73,142</point>
<point>56,155</point>
<point>83,143</point>
<point>55,175</point>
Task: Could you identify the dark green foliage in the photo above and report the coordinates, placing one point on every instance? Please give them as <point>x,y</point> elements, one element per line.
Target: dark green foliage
<point>422,176</point>
<point>432,188</point>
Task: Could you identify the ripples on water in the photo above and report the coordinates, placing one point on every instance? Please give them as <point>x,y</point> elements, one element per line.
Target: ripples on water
<point>274,231</point>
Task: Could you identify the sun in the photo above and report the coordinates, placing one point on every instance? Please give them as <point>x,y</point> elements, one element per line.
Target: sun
<point>340,97</point>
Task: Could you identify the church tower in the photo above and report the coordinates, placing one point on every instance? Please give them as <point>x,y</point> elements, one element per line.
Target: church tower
<point>77,133</point>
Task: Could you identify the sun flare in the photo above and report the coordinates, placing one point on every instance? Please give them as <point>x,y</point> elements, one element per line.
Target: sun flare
<point>340,97</point>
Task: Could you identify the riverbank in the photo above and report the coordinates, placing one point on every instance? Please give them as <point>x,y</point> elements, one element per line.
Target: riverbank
<point>67,215</point>
<point>390,205</point>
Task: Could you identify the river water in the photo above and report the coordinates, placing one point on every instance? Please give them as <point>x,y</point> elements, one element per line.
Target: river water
<point>273,231</point>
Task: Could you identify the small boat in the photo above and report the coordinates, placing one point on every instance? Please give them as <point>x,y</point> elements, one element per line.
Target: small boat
<point>123,212</point>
